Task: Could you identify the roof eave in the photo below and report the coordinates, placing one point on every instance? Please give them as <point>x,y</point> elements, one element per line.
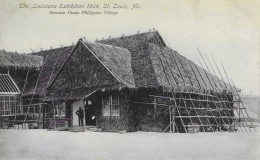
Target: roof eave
<point>9,93</point>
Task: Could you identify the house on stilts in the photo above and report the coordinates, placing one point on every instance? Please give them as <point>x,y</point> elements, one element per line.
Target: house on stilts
<point>132,83</point>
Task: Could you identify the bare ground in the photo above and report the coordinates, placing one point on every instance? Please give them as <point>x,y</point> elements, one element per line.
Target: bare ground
<point>43,144</point>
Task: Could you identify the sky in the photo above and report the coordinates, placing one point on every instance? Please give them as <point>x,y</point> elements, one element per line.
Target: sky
<point>227,30</point>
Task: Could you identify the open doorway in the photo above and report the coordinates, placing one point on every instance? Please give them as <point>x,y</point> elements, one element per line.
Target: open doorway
<point>90,113</point>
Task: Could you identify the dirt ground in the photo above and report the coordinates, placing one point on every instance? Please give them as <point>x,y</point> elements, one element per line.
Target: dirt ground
<point>60,145</point>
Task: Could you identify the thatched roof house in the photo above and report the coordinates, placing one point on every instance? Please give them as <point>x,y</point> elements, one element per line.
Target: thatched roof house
<point>113,80</point>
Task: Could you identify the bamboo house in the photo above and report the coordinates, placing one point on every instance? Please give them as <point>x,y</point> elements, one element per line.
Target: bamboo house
<point>131,83</point>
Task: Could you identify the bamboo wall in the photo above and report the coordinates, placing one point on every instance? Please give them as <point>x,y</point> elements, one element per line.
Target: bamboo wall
<point>125,121</point>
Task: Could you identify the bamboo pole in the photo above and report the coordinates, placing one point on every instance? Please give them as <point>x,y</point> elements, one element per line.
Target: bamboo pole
<point>218,71</point>
<point>207,67</point>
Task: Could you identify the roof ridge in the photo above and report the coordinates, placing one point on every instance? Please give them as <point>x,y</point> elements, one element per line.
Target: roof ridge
<point>128,35</point>
<point>103,44</point>
<point>62,47</point>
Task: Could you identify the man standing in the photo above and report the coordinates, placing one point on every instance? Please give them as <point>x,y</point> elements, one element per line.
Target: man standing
<point>80,115</point>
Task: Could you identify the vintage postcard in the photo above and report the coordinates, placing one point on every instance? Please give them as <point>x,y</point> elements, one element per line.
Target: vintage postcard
<point>129,80</point>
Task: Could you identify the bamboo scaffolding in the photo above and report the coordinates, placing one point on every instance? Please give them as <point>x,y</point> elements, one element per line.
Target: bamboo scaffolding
<point>222,119</point>
<point>225,125</point>
<point>199,101</point>
<point>199,117</point>
<point>227,98</point>
<point>241,103</point>
<point>209,108</point>
<point>236,124</point>
<point>223,94</point>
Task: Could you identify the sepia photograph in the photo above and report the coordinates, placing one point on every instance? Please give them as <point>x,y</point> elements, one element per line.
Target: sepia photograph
<point>130,80</point>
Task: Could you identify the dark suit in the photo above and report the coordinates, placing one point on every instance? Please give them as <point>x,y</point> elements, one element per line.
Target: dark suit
<point>80,115</point>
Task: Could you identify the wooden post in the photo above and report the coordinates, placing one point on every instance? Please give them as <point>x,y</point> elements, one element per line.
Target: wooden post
<point>170,118</point>
<point>154,110</point>
<point>173,119</point>
<point>84,111</point>
<point>54,115</point>
<point>43,116</point>
<point>21,107</point>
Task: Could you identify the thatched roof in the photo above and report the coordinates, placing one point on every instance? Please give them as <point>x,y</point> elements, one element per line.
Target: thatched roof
<point>173,70</point>
<point>141,60</point>
<point>53,60</point>
<point>116,59</point>
<point>153,64</point>
<point>10,59</point>
<point>113,63</point>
